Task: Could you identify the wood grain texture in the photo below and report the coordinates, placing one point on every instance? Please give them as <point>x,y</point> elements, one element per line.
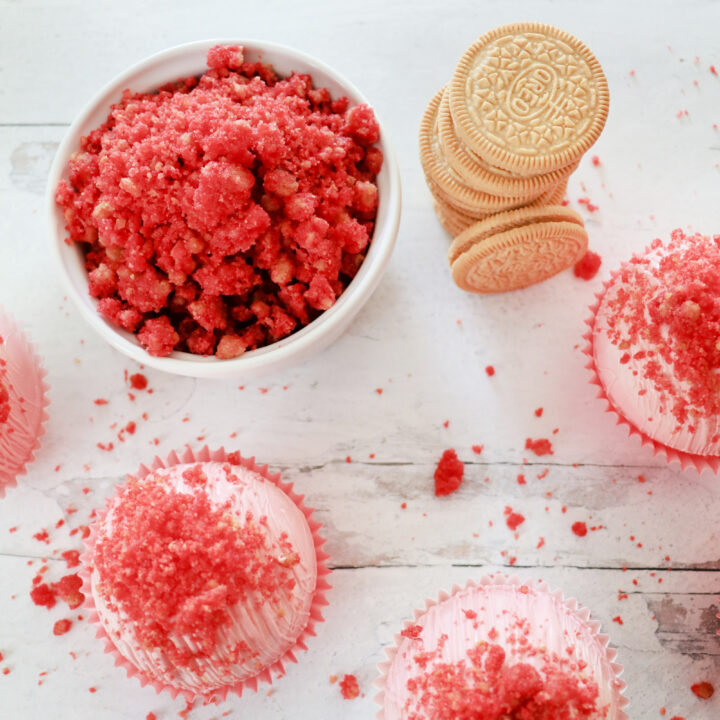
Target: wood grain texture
<point>653,559</point>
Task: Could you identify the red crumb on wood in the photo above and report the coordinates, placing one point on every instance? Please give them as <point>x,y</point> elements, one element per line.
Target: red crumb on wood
<point>61,627</point>
<point>138,381</point>
<point>71,557</point>
<point>541,446</point>
<point>448,474</point>
<point>42,536</point>
<point>703,690</point>
<point>513,519</point>
<point>349,687</point>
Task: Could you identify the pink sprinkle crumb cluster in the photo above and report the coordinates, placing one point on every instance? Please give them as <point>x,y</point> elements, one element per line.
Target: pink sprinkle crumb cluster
<point>175,563</point>
<point>669,301</point>
<point>221,213</point>
<point>485,686</point>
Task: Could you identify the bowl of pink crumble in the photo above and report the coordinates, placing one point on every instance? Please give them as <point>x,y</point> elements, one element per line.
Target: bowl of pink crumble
<point>224,208</point>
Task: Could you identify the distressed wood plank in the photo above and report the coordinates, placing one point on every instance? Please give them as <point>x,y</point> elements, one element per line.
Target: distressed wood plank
<point>419,340</point>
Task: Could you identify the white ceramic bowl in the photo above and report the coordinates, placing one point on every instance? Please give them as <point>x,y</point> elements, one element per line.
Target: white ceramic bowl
<point>186,60</point>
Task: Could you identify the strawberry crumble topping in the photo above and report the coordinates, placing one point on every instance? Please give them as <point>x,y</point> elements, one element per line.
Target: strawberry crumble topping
<point>665,316</point>
<point>514,520</point>
<point>541,446</point>
<point>448,474</point>
<point>67,589</point>
<point>349,687</point>
<point>71,557</point>
<point>703,690</point>
<point>175,562</point>
<point>485,686</point>
<point>138,381</point>
<point>189,561</point>
<point>62,626</point>
<point>588,266</point>
<point>223,212</point>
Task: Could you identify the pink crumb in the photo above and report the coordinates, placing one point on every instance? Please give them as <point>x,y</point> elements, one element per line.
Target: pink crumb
<point>514,520</point>
<point>61,627</point>
<point>42,536</point>
<point>591,207</point>
<point>71,557</point>
<point>541,446</point>
<point>448,474</point>
<point>588,266</point>
<point>138,381</point>
<point>349,687</point>
<point>704,690</point>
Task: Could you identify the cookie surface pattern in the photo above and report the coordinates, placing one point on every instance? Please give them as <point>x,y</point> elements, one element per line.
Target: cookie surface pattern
<point>529,93</point>
<point>447,181</point>
<point>481,176</point>
<point>520,257</point>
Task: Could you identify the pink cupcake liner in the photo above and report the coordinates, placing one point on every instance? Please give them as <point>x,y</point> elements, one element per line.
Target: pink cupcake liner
<point>24,375</point>
<point>571,604</point>
<point>672,456</point>
<point>319,597</point>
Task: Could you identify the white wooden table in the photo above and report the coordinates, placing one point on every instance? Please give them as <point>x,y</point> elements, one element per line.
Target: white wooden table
<point>419,339</point>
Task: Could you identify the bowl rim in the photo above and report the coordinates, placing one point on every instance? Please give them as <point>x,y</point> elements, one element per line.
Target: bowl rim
<point>324,327</point>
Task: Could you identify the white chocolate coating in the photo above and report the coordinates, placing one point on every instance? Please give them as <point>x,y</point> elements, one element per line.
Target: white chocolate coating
<point>636,397</point>
<point>550,625</point>
<point>269,627</point>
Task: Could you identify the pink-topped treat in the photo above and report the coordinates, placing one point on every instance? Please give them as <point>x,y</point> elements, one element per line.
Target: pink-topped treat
<point>23,402</point>
<point>204,575</point>
<point>220,214</point>
<point>501,650</point>
<point>656,343</point>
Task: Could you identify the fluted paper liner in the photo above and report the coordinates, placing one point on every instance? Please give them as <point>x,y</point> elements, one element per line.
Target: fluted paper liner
<point>319,599</point>
<point>25,380</point>
<point>487,581</point>
<point>672,456</point>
